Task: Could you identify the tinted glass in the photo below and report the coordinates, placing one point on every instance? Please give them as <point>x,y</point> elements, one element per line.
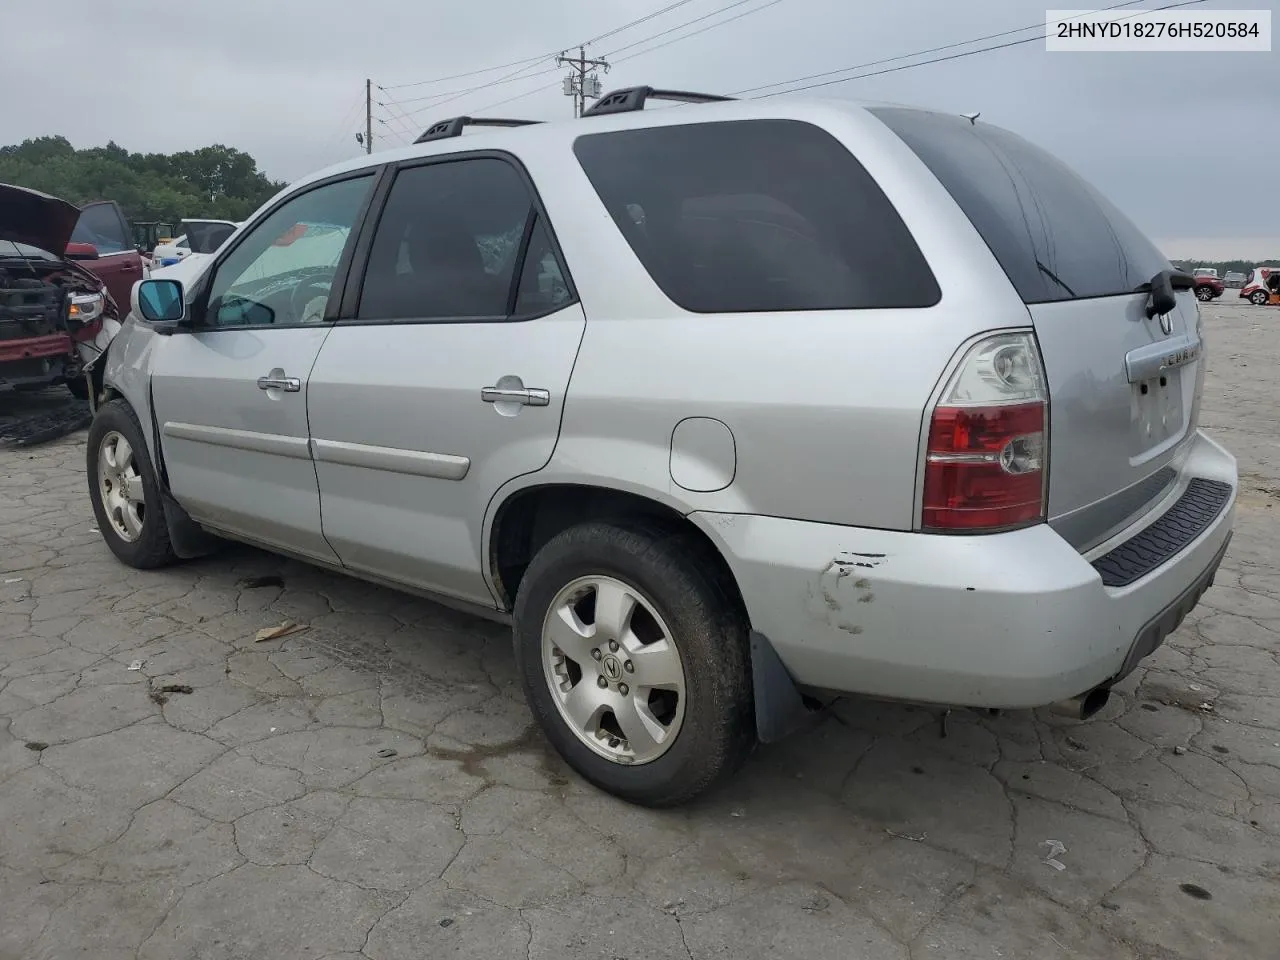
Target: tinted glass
<point>1055,236</point>
<point>447,243</point>
<point>100,225</point>
<point>282,271</point>
<point>542,284</point>
<point>756,215</point>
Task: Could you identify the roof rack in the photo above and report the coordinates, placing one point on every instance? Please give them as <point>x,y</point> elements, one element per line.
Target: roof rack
<point>633,98</point>
<point>444,129</point>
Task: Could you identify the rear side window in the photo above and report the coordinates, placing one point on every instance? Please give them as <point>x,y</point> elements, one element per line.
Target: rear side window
<point>756,216</point>
<point>1055,236</point>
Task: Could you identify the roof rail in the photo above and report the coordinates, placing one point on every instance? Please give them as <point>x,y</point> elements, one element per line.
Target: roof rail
<point>633,98</point>
<point>444,129</point>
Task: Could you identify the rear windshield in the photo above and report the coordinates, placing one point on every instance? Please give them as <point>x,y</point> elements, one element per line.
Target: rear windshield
<point>756,216</point>
<point>1055,236</point>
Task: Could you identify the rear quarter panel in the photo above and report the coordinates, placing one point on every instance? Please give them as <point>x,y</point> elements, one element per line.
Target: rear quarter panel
<point>825,408</point>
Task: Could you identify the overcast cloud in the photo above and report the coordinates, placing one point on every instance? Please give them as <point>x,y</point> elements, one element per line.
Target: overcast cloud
<point>1187,144</point>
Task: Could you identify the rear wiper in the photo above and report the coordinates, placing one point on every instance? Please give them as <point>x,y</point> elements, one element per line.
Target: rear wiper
<point>1054,277</point>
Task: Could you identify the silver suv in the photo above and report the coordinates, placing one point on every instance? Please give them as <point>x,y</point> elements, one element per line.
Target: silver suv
<point>727,408</point>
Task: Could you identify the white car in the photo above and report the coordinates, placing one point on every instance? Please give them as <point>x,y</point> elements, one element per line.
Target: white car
<point>201,236</point>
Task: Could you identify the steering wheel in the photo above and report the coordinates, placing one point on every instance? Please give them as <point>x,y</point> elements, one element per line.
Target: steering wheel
<point>308,300</point>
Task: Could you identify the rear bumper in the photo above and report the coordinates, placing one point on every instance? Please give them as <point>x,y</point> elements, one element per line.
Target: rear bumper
<point>1010,620</point>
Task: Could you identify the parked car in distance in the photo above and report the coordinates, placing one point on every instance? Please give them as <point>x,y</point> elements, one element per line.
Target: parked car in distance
<point>1210,272</point>
<point>728,409</point>
<point>199,236</point>
<point>1261,286</point>
<point>55,314</point>
<point>1208,288</point>
<point>1233,279</point>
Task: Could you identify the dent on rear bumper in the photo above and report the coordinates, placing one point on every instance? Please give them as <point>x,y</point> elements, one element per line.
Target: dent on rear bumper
<point>1018,619</point>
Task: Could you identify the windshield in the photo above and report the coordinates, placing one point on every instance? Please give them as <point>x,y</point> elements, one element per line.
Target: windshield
<point>10,249</point>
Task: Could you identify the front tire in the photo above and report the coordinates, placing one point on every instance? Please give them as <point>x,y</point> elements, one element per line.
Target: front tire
<point>635,661</point>
<point>1204,294</point>
<point>124,489</point>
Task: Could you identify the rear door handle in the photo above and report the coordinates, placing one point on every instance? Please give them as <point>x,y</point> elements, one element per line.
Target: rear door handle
<point>528,396</point>
<point>287,384</point>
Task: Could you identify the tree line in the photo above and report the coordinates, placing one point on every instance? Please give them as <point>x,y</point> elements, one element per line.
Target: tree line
<point>1227,266</point>
<point>215,182</point>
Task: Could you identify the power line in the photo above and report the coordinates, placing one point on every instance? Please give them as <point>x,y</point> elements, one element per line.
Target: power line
<point>459,94</point>
<point>635,23</point>
<point>917,53</point>
<point>954,56</point>
<point>640,53</point>
<point>679,26</point>
<point>542,56</point>
<point>509,78</point>
<point>710,26</point>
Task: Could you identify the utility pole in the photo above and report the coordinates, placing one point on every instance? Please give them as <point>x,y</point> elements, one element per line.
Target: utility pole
<point>368,116</point>
<point>582,81</point>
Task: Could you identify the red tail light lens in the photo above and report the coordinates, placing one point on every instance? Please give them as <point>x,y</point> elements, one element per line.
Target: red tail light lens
<point>986,456</point>
<point>984,469</point>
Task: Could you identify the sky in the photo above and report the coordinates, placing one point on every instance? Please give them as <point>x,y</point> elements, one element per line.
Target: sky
<point>1185,143</point>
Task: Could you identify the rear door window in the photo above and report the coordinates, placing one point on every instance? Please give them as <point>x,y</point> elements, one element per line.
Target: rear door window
<point>1056,237</point>
<point>449,246</point>
<point>756,216</point>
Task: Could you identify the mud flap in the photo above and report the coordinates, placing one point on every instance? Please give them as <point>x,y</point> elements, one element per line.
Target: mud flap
<point>186,537</point>
<point>780,709</point>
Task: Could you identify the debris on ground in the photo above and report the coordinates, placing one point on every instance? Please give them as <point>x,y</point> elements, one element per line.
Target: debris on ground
<point>26,429</point>
<point>1051,858</point>
<point>12,580</point>
<point>913,837</point>
<point>255,583</point>
<point>36,745</point>
<point>1179,750</point>
<point>275,633</point>
<point>136,664</point>
<point>176,688</point>
<point>386,752</point>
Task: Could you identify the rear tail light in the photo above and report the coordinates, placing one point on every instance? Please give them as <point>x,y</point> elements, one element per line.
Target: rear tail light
<point>986,459</point>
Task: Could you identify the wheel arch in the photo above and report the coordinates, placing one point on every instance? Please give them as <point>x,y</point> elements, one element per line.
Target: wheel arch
<point>526,518</point>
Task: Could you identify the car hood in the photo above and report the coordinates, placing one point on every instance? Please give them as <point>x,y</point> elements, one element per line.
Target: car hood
<point>37,219</point>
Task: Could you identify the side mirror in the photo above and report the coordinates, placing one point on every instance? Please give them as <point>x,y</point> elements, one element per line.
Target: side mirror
<point>160,301</point>
<point>81,251</point>
<point>1162,299</point>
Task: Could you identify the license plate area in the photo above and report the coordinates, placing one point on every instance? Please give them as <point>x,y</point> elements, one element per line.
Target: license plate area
<point>1156,415</point>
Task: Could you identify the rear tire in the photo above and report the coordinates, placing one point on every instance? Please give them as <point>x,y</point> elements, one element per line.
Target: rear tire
<point>124,490</point>
<point>660,729</point>
<point>1259,298</point>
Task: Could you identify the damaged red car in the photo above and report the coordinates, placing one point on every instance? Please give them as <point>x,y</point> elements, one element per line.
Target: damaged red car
<point>59,265</point>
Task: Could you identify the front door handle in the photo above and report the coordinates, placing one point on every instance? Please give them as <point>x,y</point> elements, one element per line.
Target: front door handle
<point>528,396</point>
<point>273,382</point>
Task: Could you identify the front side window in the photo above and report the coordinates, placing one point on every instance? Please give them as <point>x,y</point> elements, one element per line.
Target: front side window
<point>756,216</point>
<point>450,243</point>
<point>100,225</point>
<point>283,270</point>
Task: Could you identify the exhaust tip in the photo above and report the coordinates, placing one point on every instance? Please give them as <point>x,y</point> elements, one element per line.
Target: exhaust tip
<point>1084,706</point>
<point>1093,701</point>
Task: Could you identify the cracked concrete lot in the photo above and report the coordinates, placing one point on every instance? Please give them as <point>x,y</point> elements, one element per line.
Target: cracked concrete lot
<point>372,786</point>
